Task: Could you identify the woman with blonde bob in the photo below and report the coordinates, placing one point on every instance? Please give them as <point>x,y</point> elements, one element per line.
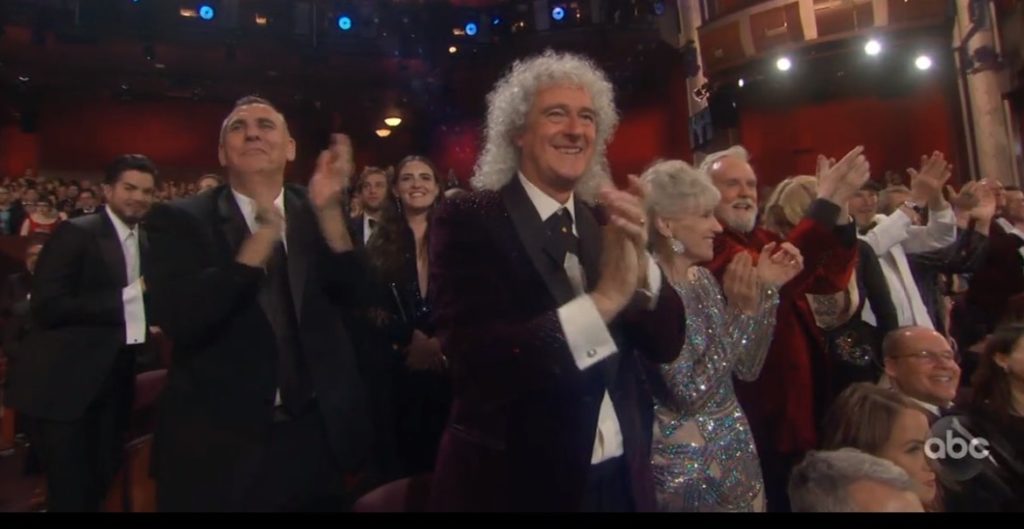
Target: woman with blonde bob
<point>703,453</point>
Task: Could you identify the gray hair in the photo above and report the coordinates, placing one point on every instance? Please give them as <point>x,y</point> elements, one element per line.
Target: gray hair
<point>508,106</point>
<point>675,188</point>
<point>821,482</point>
<point>736,151</point>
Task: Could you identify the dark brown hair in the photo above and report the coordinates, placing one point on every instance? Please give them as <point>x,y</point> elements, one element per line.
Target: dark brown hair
<point>863,417</point>
<point>991,384</point>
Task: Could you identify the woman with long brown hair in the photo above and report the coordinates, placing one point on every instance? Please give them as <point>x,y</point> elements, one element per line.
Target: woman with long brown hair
<point>398,253</point>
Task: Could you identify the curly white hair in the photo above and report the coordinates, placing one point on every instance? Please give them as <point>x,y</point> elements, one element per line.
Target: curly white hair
<point>509,103</point>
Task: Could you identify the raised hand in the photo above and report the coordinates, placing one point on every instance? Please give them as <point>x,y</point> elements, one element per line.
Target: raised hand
<point>741,284</point>
<point>985,209</point>
<point>334,170</point>
<point>926,183</point>
<point>966,199</point>
<point>619,271</point>
<point>837,182</point>
<point>778,264</point>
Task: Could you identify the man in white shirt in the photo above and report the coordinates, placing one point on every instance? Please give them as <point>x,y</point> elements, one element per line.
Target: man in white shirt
<point>541,314</point>
<point>896,235</point>
<point>76,379</point>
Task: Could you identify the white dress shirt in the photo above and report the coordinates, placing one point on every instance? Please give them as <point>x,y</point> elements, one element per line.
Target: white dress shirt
<point>248,207</point>
<point>367,229</point>
<point>131,295</point>
<point>585,331</point>
<point>892,238</point>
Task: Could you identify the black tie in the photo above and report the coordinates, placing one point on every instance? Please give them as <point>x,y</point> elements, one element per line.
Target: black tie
<point>293,377</point>
<point>372,223</point>
<point>561,239</point>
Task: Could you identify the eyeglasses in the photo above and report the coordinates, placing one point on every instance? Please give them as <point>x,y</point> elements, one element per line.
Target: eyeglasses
<point>931,357</point>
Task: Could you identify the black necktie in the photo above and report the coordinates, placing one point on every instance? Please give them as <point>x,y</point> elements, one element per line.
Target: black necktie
<point>372,223</point>
<point>561,239</point>
<point>293,377</point>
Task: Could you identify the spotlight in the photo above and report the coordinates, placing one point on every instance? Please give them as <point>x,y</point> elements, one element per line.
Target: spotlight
<point>495,21</point>
<point>923,62</point>
<point>344,23</point>
<point>382,133</point>
<point>470,29</point>
<point>392,121</point>
<point>206,12</point>
<point>558,13</point>
<point>783,64</point>
<point>452,49</point>
<point>741,82</point>
<point>873,47</point>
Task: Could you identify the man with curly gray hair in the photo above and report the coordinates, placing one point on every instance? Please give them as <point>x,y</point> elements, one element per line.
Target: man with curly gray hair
<point>541,314</point>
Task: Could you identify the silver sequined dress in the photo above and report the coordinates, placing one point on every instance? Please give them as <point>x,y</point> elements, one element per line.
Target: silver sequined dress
<point>703,453</point>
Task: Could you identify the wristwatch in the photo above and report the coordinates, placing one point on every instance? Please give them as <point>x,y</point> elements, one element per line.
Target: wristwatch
<point>913,205</point>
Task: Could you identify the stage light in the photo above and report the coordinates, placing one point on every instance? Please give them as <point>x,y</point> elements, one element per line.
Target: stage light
<point>923,62</point>
<point>452,49</point>
<point>659,8</point>
<point>558,13</point>
<point>392,121</point>
<point>470,29</point>
<point>206,12</point>
<point>741,82</point>
<point>261,20</point>
<point>783,64</point>
<point>383,133</point>
<point>344,23</point>
<point>495,21</point>
<point>873,47</point>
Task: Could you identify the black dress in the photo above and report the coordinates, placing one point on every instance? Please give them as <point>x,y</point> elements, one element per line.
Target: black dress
<point>419,399</point>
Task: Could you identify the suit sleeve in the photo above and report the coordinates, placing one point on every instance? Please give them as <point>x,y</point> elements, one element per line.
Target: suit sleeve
<point>58,298</point>
<point>192,295</point>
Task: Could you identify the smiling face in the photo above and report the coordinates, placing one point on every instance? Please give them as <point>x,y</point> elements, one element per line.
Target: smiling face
<point>922,366</point>
<point>416,186</point>
<point>863,206</point>
<point>255,140</point>
<point>735,179</point>
<point>696,230</point>
<point>557,143</point>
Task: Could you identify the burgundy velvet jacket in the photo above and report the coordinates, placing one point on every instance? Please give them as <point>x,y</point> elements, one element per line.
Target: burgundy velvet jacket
<point>521,430</point>
<point>791,394</point>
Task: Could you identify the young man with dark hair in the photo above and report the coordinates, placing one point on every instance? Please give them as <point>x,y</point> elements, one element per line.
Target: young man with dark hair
<point>89,321</point>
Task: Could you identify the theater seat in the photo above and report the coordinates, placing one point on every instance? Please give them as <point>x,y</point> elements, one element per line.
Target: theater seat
<point>404,495</point>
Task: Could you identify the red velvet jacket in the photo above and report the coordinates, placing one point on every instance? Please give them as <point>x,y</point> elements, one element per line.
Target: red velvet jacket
<point>781,403</point>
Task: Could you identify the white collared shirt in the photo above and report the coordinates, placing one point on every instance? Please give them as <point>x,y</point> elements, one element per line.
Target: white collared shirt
<point>367,229</point>
<point>585,331</point>
<point>131,295</point>
<point>248,207</point>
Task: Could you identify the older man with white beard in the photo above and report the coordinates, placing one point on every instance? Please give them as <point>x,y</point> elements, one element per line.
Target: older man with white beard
<point>792,393</point>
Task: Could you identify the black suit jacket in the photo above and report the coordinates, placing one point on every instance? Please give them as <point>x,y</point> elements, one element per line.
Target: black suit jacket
<point>16,219</point>
<point>521,429</point>
<point>77,318</point>
<point>217,408</point>
<point>14,308</point>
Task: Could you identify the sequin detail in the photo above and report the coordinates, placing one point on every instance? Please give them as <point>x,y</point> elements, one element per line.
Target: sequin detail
<point>703,453</point>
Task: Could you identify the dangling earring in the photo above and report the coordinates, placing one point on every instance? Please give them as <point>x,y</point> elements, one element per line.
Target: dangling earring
<point>677,246</point>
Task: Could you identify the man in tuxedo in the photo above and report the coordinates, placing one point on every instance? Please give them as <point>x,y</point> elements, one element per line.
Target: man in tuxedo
<point>14,296</point>
<point>264,407</point>
<point>541,311</point>
<point>1001,274</point>
<point>920,364</point>
<point>73,376</point>
<point>372,190</point>
<point>87,201</point>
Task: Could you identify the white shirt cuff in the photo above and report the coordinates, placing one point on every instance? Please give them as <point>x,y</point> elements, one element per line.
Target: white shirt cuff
<point>585,331</point>
<point>653,282</point>
<point>134,314</point>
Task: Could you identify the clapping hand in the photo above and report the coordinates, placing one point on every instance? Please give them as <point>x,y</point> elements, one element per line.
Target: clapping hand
<point>334,170</point>
<point>778,264</point>
<point>741,284</point>
<point>926,183</point>
<point>839,181</point>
